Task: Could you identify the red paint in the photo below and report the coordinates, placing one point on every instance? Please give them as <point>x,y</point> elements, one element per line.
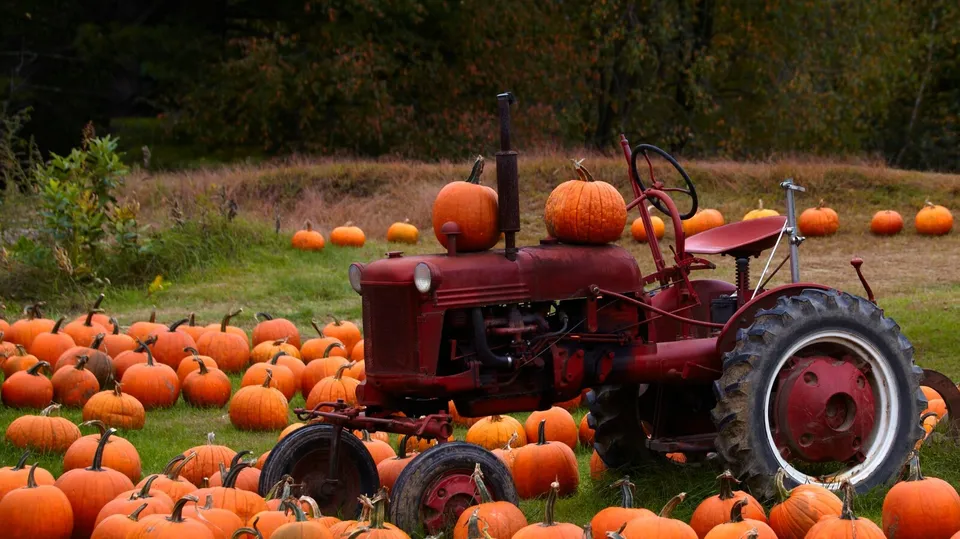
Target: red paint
<point>740,239</point>
<point>446,498</point>
<point>745,314</point>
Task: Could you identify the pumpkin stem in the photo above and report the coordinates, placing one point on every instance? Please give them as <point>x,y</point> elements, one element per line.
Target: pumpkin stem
<point>174,474</point>
<point>294,505</point>
<point>269,378</point>
<point>265,316</point>
<point>736,511</point>
<point>402,453</point>
<point>142,345</point>
<point>22,462</point>
<point>173,327</point>
<point>820,205</point>
<point>278,355</point>
<point>170,464</point>
<point>35,369</point>
<point>848,496</point>
<point>153,315</point>
<point>239,456</point>
<point>145,491</point>
<point>96,304</point>
<point>913,468</point>
<point>82,360</point>
<point>752,533</point>
<point>116,325</point>
<point>326,351</point>
<point>149,353</point>
<point>336,321</point>
<point>116,390</point>
<point>316,326</point>
<point>582,171</point>
<point>193,351</point>
<point>97,464</point>
<point>98,340</point>
<point>782,491</point>
<point>672,504</point>
<point>727,484</point>
<point>473,525</point>
<point>21,351</point>
<point>476,171</point>
<point>252,530</point>
<point>365,435</point>
<point>202,366</point>
<point>210,438</point>
<point>31,480</point>
<point>308,225</point>
<point>616,534</point>
<point>177,514</point>
<point>509,445</point>
<point>548,519</point>
<point>230,480</point>
<point>275,490</point>
<point>587,531</point>
<point>101,427</point>
<point>49,410</point>
<point>89,320</point>
<point>135,515</point>
<point>482,491</point>
<point>626,491</point>
<point>759,203</point>
<point>226,319</point>
<point>55,330</point>
<point>340,369</point>
<point>313,505</point>
<point>542,432</point>
<point>209,503</point>
<point>192,319</point>
<point>379,514</point>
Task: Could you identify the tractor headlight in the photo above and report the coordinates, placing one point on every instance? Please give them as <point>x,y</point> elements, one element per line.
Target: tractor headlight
<point>422,277</point>
<point>354,273</point>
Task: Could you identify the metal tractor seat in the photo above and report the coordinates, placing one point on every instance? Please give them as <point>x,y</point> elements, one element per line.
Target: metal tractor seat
<point>739,240</point>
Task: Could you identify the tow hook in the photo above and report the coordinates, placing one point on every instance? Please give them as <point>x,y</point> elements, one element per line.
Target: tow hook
<point>856,263</point>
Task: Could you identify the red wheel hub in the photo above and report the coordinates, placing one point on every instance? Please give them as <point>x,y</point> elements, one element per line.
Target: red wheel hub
<point>823,410</point>
<point>446,499</point>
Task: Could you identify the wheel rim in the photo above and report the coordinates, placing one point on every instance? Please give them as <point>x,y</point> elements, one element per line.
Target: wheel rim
<point>445,499</point>
<point>847,350</point>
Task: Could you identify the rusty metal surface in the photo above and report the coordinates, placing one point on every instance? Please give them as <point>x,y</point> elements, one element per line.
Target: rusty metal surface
<point>950,393</point>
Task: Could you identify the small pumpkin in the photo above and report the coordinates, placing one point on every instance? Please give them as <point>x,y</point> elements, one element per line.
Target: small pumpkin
<point>378,449</point>
<point>227,348</point>
<point>142,329</point>
<point>19,361</point>
<point>549,528</point>
<point>28,389</point>
<point>156,501</point>
<point>84,330</point>
<point>321,368</point>
<point>172,526</point>
<point>243,503</point>
<point>585,433</point>
<point>799,509</point>
<point>473,207</point>
<point>494,431</point>
<point>206,388</point>
<point>760,212</point>
<point>715,510</point>
<point>282,378</point>
<point>639,232</point>
<point>886,223</point>
<point>538,464</point>
<point>661,525</point>
<point>191,328</point>
<point>291,428</point>
<point>933,220</point>
<point>40,511</point>
<point>348,235</point>
<point>270,329</point>
<point>585,211</point>
<point>25,330</point>
<point>357,353</point>
<point>170,482</point>
<point>119,454</point>
<point>818,221</point>
<point>347,332</point>
<point>507,453</point>
<point>316,347</point>
<point>267,522</point>
<point>43,432</point>
<point>115,343</point>
<point>847,525</point>
<point>169,343</point>
<point>98,362</point>
<point>560,426</point>
<point>906,507</point>
<point>248,479</point>
<point>49,346</point>
<point>98,317</point>
<point>307,239</point>
<point>259,407</point>
<point>613,518</point>
<point>115,409</point>
<point>332,388</point>
<point>14,477</point>
<point>209,457</point>
<point>227,522</point>
<point>125,360</point>
<point>738,525</point>
<point>502,519</point>
<point>155,385</point>
<point>403,232</point>
<point>389,468</point>
<point>119,526</point>
<point>192,363</point>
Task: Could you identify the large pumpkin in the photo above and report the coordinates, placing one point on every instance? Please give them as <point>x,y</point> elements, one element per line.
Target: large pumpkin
<point>115,409</point>
<point>155,385</point>
<point>209,457</point>
<point>14,477</point>
<point>228,349</point>
<point>142,329</point>
<point>560,426</point>
<point>403,233</point>
<point>738,525</point>
<point>316,347</point>
<point>347,235</point>
<point>495,431</point>
<point>818,221</point>
<point>501,519</point>
<point>192,363</point>
<point>23,331</point>
<point>50,345</point>
<point>613,518</point>
<point>119,454</point>
<point>585,211</point>
<point>259,407</point>
<point>226,521</point>
<point>36,511</point>
<point>661,526</point>
<point>921,507</point>
<point>169,344</point>
<point>347,332</point>
<point>119,526</point>
<point>206,388</point>
<point>715,510</point>
<point>43,432</point>
<point>473,207</point>
<point>307,239</point>
<point>73,386</point>
<point>933,220</point>
<point>125,360</point>
<point>801,508</point>
<point>29,388</point>
<point>156,501</point>
<point>172,526</point>
<point>333,388</point>
<point>84,330</point>
<point>886,223</point>
<point>538,464</point>
<point>269,328</point>
<point>98,362</point>
<point>248,478</point>
<point>281,378</point>
<point>847,525</point>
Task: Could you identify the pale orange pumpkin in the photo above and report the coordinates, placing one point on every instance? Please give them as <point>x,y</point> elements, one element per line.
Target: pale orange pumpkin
<point>886,223</point>
<point>493,432</point>
<point>585,211</point>
<point>933,220</point>
<point>639,232</point>
<point>473,207</point>
<point>403,233</point>
<point>307,239</point>
<point>759,212</point>
<point>348,235</point>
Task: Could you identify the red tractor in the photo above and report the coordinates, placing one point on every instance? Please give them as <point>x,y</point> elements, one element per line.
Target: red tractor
<point>802,377</point>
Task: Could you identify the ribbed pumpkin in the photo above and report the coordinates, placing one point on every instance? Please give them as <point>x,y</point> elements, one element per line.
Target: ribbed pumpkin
<point>738,525</point>
<point>119,454</point>
<point>847,525</point>
<point>259,407</point>
<point>403,233</point>
<point>389,469</point>
<point>269,328</point>
<point>886,223</point>
<point>156,501</point>
<point>639,232</point>
<point>23,331</point>
<point>281,378</point>
<point>613,518</point>
<point>473,207</point>
<point>98,362</point>
<point>28,389</point>
<point>715,510</point>
<point>332,388</point>
<point>191,363</point>
<point>585,211</point>
<point>296,367</point>
<point>228,349</point>
<point>125,360</point>
<point>268,521</point>
<point>538,464</point>
<point>248,479</point>
<point>169,344</point>
<point>585,433</point>
<point>347,332</point>
<point>933,220</point>
<point>36,511</point>
<point>302,527</point>
<point>89,489</point>
<point>243,503</point>
<point>549,528</point>
<point>502,519</point>
<point>119,526</point>
<point>265,351</point>
<point>142,329</point>
<point>172,526</point>
<point>206,388</point>
<point>321,368</point>
<point>660,526</point>
<point>317,347</point>
<point>50,345</point>
<point>348,235</point>
<point>560,426</point>
<point>191,328</point>
<point>760,212</point>
<point>115,409</point>
<point>507,453</point>
<point>818,221</point>
<point>14,477</point>
<point>155,385</point>
<point>921,507</point>
<point>236,330</point>
<point>225,521</point>
<point>799,509</point>
<point>208,460</point>
<point>356,354</point>
<point>495,431</point>
<point>18,361</point>
<point>43,432</point>
<point>307,239</point>
<point>170,482</point>
<point>84,330</point>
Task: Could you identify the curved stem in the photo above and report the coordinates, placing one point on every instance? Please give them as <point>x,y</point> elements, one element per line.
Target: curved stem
<point>226,319</point>
<point>913,468</point>
<point>782,491</point>
<point>476,171</point>
<point>173,327</point>
<point>294,505</point>
<point>313,505</point>
<point>117,392</point>
<point>277,487</point>
<point>667,510</point>
<point>402,452</point>
<point>736,512</point>
<point>201,365</point>
<point>35,369</point>
<point>339,374</point>
<point>238,457</point>
<point>97,341</point>
<point>31,480</point>
<point>727,484</point>
<point>55,330</point>
<point>482,491</point>
<point>848,496</point>
<point>509,445</point>
<point>280,353</point>
<point>22,462</point>
<point>149,353</point>
<point>88,322</point>
<point>49,410</point>
<point>326,351</point>
<point>268,378</point>
<point>548,518</point>
<point>97,464</point>
<point>177,514</point>
<point>626,492</point>
<point>144,492</point>
<point>168,469</point>
<point>542,432</point>
<point>230,480</point>
<point>100,426</point>
<point>135,515</point>
<point>582,171</point>
<point>265,316</point>
<point>116,325</point>
<point>379,514</point>
<point>316,326</point>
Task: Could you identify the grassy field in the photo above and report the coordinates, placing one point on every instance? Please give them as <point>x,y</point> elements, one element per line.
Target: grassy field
<point>916,280</point>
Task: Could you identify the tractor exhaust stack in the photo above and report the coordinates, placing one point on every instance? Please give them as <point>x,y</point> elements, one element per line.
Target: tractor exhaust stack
<point>508,187</point>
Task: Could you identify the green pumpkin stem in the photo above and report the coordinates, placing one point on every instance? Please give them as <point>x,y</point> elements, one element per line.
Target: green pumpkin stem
<point>292,504</point>
<point>173,327</point>
<point>727,484</point>
<point>316,326</point>
<point>542,432</point>
<point>226,319</point>
<point>327,350</point>
<point>379,514</point>
<point>35,369</point>
<point>402,452</point>
<point>473,525</point>
<point>277,488</point>
<point>849,493</point>
<point>177,514</point>
<point>31,479</point>
<point>252,530</point>
<point>22,462</point>
<point>55,330</point>
<point>482,491</point>
<point>97,464</point>
<point>548,512</point>
<point>476,171</point>
<point>265,316</point>
<point>736,511</point>
<point>782,491</point>
<point>99,425</point>
<point>339,374</point>
<point>626,492</point>
<point>278,355</point>
<point>144,492</point>
<point>97,341</point>
<point>672,504</point>
<point>913,468</point>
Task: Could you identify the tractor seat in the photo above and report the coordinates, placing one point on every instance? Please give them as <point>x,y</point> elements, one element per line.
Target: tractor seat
<point>741,239</point>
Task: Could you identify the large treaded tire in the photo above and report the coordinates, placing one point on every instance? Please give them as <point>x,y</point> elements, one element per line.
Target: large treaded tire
<point>618,434</point>
<point>742,440</point>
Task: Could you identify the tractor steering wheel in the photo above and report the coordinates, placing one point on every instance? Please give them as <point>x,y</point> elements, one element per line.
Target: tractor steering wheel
<point>691,191</point>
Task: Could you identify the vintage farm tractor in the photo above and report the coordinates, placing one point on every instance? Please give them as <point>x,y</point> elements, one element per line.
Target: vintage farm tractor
<point>802,377</point>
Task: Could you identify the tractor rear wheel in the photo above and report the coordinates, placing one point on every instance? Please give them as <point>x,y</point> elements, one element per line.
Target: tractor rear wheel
<point>822,385</point>
<point>619,435</point>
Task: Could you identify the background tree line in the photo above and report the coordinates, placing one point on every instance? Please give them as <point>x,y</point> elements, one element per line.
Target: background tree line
<point>416,78</point>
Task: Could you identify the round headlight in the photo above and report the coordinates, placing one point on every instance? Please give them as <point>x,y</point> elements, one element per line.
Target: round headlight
<point>354,274</point>
<point>422,278</point>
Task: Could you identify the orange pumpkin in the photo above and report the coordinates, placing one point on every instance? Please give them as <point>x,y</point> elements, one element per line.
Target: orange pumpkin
<point>639,232</point>
<point>495,431</point>
<point>473,207</point>
<point>586,434</point>
<point>661,525</point>
<point>585,211</point>
<point>613,518</point>
<point>172,526</point>
<point>597,467</point>
<point>115,409</point>
<point>115,342</point>
<point>506,453</point>
<point>170,482</point>
<point>716,510</point>
<point>243,503</point>
<point>191,328</point>
<point>290,428</point>
<point>760,212</point>
<point>886,223</point>
<point>560,426</point>
<point>933,220</point>
<point>227,348</point>
<point>98,362</point>
<point>936,406</point>
<point>155,385</point>
<point>259,407</point>
<point>14,477</point>
<point>500,519</point>
<point>156,501</point>
<point>906,508</point>
<point>119,526</point>
<point>265,351</point>
<point>378,449</point>
<point>457,418</point>
<point>49,346</point>
<point>248,479</point>
<point>43,432</point>
<point>84,330</point>
<point>169,344</point>
<point>192,363</point>
<point>269,328</point>
<point>281,378</point>
<point>208,460</point>
<point>738,525</point>
<point>40,511</point>
<point>389,468</point>
<point>141,330</point>
<point>318,346</point>
<point>819,221</point>
<point>206,388</point>
<point>307,239</point>
<point>18,361</point>
<point>227,522</point>
<point>119,454</point>
<point>28,389</point>
<point>403,233</point>
<point>549,528</point>
<point>538,464</point>
<point>801,508</point>
<point>332,388</point>
<point>348,236</point>
<point>847,525</point>
<point>125,360</point>
<point>347,332</point>
<point>23,331</point>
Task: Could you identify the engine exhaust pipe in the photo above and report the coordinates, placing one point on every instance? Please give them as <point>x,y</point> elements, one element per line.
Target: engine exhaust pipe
<point>508,186</point>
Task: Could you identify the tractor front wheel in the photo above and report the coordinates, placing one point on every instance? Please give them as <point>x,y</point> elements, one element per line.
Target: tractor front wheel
<point>822,385</point>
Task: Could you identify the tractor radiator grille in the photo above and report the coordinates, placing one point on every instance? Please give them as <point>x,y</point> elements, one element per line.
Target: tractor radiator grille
<point>390,322</point>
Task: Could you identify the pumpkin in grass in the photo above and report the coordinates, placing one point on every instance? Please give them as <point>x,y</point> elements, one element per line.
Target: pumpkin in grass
<point>597,467</point>
<point>549,528</point>
<point>715,510</point>
<point>115,343</point>
<point>236,330</point>
<point>290,428</point>
<point>378,449</point>
<point>585,433</point>
<point>639,232</point>
<point>269,328</point>
<point>169,343</point>
<point>389,469</point>
<point>886,223</point>
<point>155,385</point>
<point>19,361</point>
<point>301,526</point>
<point>345,527</point>
<point>347,332</point>
<point>279,492</point>
<point>119,526</point>
<point>661,526</point>
<point>36,511</point>
<point>119,454</point>
<point>307,239</point>
<point>248,479</point>
<point>801,508</point>
<point>265,351</point>
<point>936,406</point>
<point>332,388</point>
<point>506,453</point>
<point>348,235</point>
<point>319,347</point>
<point>818,221</point>
<point>209,457</point>
<point>282,379</point>
<point>125,360</point>
<point>585,211</point>
<point>142,329</point>
<point>494,431</point>
<point>191,363</point>
<point>502,519</point>
<point>156,501</point>
<point>116,409</point>
<point>459,419</point>
<point>169,480</point>
<point>25,330</point>
<point>704,220</point>
<point>43,432</point>
<point>933,220</point>
<point>921,507</point>
<point>172,526</point>
<point>259,407</point>
<point>539,463</point>
<point>14,477</point>
<point>89,489</point>
<point>225,521</point>
<point>403,233</point>
<point>373,527</point>
<point>228,349</point>
<point>7,348</point>
<point>50,345</point>
<point>613,518</point>
<point>560,426</point>
<point>243,503</point>
<point>847,525</point>
<point>205,388</point>
<point>98,362</point>
<point>103,319</point>
<point>473,207</point>
<point>321,368</point>
<point>760,212</point>
<point>29,388</point>
<point>738,525</point>
<point>191,328</point>
<point>84,330</point>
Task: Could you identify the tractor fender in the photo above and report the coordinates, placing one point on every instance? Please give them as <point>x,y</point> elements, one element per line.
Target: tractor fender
<point>746,313</point>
